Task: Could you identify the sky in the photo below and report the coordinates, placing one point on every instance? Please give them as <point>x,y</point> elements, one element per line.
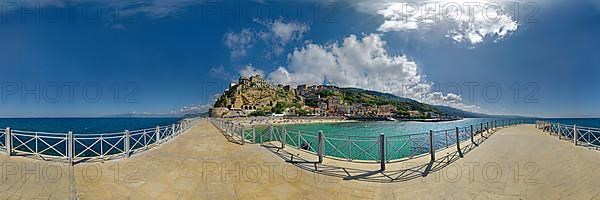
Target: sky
<point>97,58</point>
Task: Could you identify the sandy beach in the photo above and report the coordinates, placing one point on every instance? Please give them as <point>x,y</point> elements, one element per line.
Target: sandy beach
<point>284,121</point>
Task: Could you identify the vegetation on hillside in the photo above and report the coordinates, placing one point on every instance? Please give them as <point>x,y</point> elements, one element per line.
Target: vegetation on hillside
<point>370,98</point>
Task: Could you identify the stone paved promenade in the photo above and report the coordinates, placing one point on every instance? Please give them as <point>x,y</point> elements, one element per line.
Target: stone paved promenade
<point>514,163</point>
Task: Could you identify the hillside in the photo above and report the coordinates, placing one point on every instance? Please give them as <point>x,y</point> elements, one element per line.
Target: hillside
<point>368,97</point>
<point>253,96</point>
<point>457,112</point>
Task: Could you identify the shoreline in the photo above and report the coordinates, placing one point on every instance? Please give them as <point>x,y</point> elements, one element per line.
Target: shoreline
<point>288,121</point>
<point>305,120</point>
<point>319,120</point>
<point>430,120</point>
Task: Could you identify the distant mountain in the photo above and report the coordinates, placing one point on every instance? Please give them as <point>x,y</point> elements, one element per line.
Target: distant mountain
<point>380,94</point>
<point>193,115</point>
<point>408,104</point>
<point>368,98</point>
<point>461,113</point>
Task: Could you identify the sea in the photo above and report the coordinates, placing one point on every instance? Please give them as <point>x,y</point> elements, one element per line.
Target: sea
<point>367,128</point>
<point>389,128</point>
<point>85,125</point>
<point>362,133</point>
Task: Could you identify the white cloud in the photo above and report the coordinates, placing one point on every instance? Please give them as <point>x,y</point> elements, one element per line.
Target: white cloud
<point>220,72</point>
<point>150,8</point>
<point>280,33</point>
<point>239,43</point>
<point>154,8</point>
<point>193,109</point>
<point>363,63</point>
<point>249,70</point>
<point>468,22</point>
<point>276,35</point>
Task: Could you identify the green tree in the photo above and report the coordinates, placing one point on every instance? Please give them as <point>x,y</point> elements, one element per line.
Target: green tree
<point>258,113</point>
<point>302,112</point>
<point>279,108</point>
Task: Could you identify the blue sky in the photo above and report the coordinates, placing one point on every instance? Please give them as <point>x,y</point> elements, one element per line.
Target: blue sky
<point>172,57</point>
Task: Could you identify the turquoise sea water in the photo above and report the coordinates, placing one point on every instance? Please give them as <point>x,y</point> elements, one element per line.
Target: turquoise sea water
<point>389,128</point>
<point>360,140</point>
<point>352,141</point>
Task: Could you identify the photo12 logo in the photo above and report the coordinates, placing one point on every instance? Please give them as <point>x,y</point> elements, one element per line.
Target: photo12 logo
<point>465,11</point>
<point>115,12</point>
<point>471,92</point>
<point>70,92</point>
<point>68,12</point>
<point>54,172</point>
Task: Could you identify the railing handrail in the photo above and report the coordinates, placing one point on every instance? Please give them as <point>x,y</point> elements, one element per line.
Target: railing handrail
<point>346,147</point>
<point>92,145</point>
<point>575,133</point>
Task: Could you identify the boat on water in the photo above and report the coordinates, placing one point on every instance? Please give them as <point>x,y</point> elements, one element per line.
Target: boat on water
<point>391,119</point>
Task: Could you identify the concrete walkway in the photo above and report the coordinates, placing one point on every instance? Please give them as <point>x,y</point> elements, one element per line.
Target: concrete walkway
<point>514,163</point>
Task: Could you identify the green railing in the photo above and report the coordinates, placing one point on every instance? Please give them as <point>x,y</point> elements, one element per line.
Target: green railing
<point>378,148</point>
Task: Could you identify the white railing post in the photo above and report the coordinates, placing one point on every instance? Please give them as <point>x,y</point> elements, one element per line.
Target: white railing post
<point>253,134</point>
<point>270,132</point>
<point>242,134</point>
<point>36,137</point>
<point>172,131</point>
<point>431,147</point>
<point>382,158</point>
<point>321,147</point>
<point>559,132</point>
<point>472,139</point>
<point>458,143</point>
<point>575,135</point>
<point>127,147</point>
<point>157,135</point>
<point>283,138</point>
<point>145,140</point>
<point>70,147</point>
<point>8,141</point>
<point>101,147</point>
<point>481,129</point>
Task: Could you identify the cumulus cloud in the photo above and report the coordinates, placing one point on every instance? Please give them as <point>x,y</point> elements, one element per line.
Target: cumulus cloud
<point>239,43</point>
<point>276,35</point>
<point>220,72</point>
<point>197,108</point>
<point>363,63</point>
<point>469,22</point>
<point>249,70</point>
<point>280,33</point>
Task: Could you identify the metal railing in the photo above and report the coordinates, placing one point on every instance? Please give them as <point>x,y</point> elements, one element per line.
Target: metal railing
<point>579,135</point>
<point>73,148</point>
<point>381,148</point>
<point>2,142</point>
